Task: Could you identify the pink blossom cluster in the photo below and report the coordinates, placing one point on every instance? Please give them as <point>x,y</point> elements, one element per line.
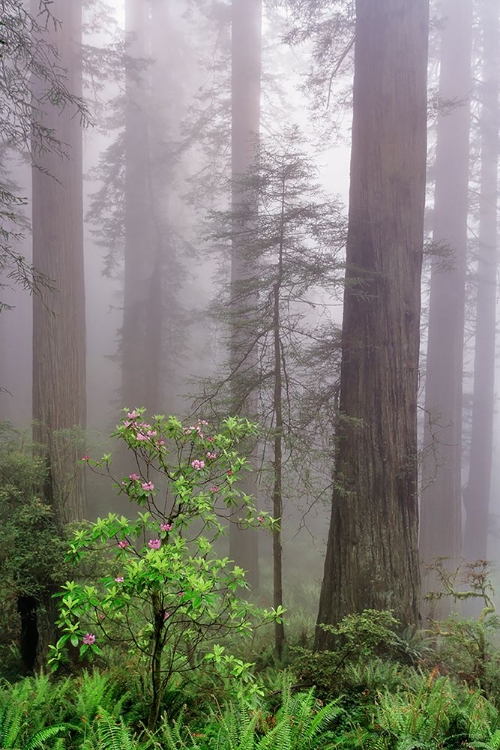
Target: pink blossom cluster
<point>196,464</point>
<point>88,639</point>
<point>154,543</point>
<point>166,527</point>
<point>123,544</point>
<point>148,486</point>
<point>211,455</point>
<point>198,427</point>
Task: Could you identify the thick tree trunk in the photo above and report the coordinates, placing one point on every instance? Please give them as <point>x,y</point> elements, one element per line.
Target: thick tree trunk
<point>372,555</point>
<point>441,499</point>
<point>245,125</point>
<point>59,403</point>
<point>477,494</point>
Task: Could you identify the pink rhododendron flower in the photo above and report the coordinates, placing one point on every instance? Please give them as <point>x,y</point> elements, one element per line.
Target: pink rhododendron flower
<point>211,455</point>
<point>132,415</point>
<point>148,486</point>
<point>119,579</point>
<point>166,616</point>
<point>141,436</point>
<point>166,527</point>
<point>123,544</point>
<point>88,639</point>
<point>196,464</point>
<point>134,477</point>
<point>151,433</point>
<point>214,489</point>
<point>101,615</point>
<point>260,519</point>
<point>154,543</point>
<point>85,458</point>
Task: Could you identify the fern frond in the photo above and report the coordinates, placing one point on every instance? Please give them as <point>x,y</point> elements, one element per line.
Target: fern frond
<point>112,733</point>
<point>11,722</point>
<point>38,740</point>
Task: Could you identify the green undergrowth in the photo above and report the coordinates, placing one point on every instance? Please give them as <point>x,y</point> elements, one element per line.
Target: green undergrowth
<point>382,705</point>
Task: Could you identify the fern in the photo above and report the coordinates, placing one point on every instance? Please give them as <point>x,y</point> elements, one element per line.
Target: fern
<point>96,691</point>
<point>112,734</point>
<point>172,736</point>
<point>12,720</point>
<point>39,739</point>
<point>301,723</point>
<point>491,743</point>
<point>14,725</point>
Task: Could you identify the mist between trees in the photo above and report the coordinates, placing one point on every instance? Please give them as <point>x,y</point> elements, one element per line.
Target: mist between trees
<point>181,233</point>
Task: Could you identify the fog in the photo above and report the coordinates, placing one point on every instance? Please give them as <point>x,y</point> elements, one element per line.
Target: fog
<point>194,113</point>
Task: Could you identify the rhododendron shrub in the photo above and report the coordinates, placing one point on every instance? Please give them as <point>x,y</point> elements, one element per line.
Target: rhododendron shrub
<point>168,596</point>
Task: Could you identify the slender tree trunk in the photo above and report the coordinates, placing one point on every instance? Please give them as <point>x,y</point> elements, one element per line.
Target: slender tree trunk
<point>59,402</point>
<point>477,494</point>
<point>140,377</point>
<point>245,125</point>
<point>279,628</point>
<point>372,555</point>
<point>441,499</point>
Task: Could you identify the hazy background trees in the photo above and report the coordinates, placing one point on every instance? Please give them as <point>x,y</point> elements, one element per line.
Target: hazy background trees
<point>199,139</point>
<point>441,500</point>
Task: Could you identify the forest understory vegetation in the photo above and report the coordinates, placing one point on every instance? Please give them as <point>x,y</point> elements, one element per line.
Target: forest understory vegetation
<point>131,606</point>
<point>269,229</point>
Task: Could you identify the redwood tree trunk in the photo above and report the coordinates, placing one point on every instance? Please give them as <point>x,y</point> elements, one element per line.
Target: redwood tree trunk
<point>372,555</point>
<point>245,125</point>
<point>477,494</point>
<point>59,402</point>
<point>441,500</point>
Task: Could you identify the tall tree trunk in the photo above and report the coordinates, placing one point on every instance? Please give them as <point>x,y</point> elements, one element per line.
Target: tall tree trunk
<point>477,494</point>
<point>279,628</point>
<point>245,124</point>
<point>372,555</point>
<point>140,377</point>
<point>441,500</point>
<point>59,402</point>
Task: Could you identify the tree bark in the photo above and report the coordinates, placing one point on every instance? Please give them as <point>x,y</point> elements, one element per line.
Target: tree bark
<point>441,498</point>
<point>245,124</point>
<point>477,494</point>
<point>59,401</point>
<point>279,628</point>
<point>372,555</point>
<point>140,345</point>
